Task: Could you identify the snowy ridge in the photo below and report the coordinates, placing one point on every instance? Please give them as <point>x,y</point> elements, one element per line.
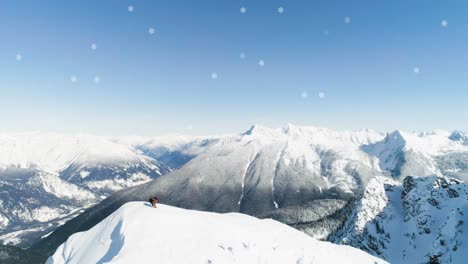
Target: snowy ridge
<point>53,153</point>
<point>173,235</point>
<point>301,176</point>
<point>422,220</point>
<point>48,177</point>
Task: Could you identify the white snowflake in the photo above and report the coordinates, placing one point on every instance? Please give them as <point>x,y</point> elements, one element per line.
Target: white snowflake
<point>242,55</point>
<point>347,20</point>
<point>243,10</point>
<point>416,70</point>
<point>94,46</point>
<point>97,79</point>
<point>321,95</point>
<point>214,75</point>
<point>261,63</point>
<point>444,23</point>
<point>19,57</point>
<point>280,10</point>
<point>304,95</point>
<point>131,8</point>
<point>73,79</point>
<point>151,31</point>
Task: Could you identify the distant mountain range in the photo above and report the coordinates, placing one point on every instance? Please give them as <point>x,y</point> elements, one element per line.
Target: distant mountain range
<point>307,177</point>
<point>46,179</point>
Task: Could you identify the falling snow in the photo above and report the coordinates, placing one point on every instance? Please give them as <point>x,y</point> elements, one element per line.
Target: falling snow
<point>304,95</point>
<point>321,95</point>
<point>416,70</point>
<point>151,31</point>
<point>280,10</point>
<point>73,79</point>
<point>261,63</point>
<point>131,8</point>
<point>214,75</point>
<point>444,23</point>
<point>243,10</point>
<point>19,57</point>
<point>94,46</point>
<point>347,20</point>
<point>242,55</point>
<point>97,79</point>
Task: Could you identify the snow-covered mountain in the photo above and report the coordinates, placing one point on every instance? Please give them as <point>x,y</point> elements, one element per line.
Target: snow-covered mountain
<point>172,150</point>
<point>45,179</point>
<point>426,153</point>
<point>306,177</point>
<point>422,220</point>
<point>138,233</point>
<point>302,176</point>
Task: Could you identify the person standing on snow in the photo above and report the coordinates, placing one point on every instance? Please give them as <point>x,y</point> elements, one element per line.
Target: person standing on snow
<point>153,201</point>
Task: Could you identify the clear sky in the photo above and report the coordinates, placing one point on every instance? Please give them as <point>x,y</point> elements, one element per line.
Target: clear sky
<point>219,66</point>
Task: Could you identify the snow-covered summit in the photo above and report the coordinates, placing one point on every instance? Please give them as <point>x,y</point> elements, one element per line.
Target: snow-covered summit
<point>137,233</point>
<point>52,152</point>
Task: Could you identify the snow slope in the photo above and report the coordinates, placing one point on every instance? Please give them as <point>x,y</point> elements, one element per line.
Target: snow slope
<point>46,178</point>
<point>423,220</point>
<point>138,233</point>
<point>301,176</point>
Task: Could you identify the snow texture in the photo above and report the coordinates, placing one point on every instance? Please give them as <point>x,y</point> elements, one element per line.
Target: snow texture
<point>138,233</point>
<point>422,220</point>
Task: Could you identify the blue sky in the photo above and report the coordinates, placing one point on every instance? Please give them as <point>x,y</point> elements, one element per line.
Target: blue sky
<point>162,83</point>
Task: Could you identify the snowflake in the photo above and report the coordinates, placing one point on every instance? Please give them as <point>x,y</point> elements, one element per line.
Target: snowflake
<point>151,31</point>
<point>131,8</point>
<point>243,10</point>
<point>444,23</point>
<point>242,55</point>
<point>94,46</point>
<point>73,79</point>
<point>97,79</point>
<point>214,75</point>
<point>321,95</point>
<point>416,70</point>
<point>261,63</point>
<point>19,57</point>
<point>304,95</point>
<point>347,20</point>
<point>280,10</point>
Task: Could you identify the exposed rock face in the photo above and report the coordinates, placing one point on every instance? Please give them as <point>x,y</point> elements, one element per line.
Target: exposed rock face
<point>421,220</point>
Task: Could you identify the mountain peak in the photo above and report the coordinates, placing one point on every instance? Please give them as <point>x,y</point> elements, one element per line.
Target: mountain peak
<point>173,235</point>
